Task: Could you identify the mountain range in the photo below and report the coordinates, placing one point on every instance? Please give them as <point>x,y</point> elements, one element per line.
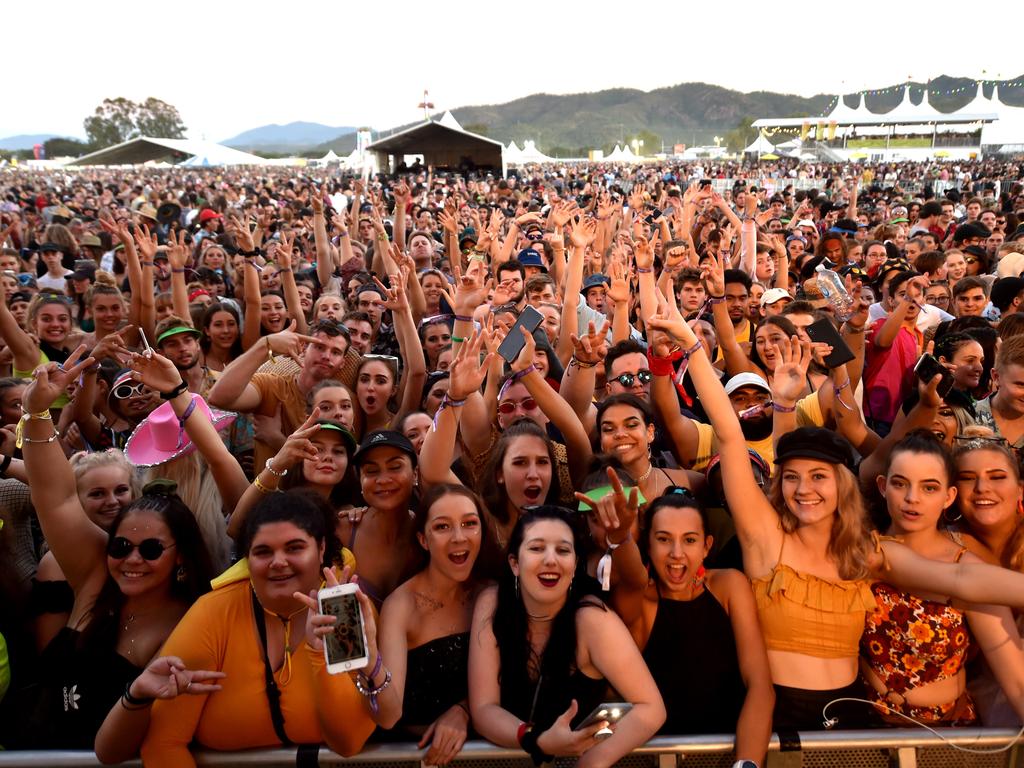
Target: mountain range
<point>689,113</point>
<point>26,140</point>
<point>281,138</point>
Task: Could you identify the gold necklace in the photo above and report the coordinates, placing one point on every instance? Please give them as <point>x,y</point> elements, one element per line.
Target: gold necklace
<point>645,475</point>
<point>131,640</point>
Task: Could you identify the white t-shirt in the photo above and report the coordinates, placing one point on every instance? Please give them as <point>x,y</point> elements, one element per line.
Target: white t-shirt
<point>53,283</point>
<point>929,317</point>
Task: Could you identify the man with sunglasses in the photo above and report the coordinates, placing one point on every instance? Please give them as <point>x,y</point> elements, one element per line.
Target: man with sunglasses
<point>243,387</point>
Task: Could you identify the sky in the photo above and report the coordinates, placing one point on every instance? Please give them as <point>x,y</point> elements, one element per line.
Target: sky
<point>229,66</point>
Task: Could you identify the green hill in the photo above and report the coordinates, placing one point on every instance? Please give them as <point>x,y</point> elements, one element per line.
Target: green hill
<point>688,113</point>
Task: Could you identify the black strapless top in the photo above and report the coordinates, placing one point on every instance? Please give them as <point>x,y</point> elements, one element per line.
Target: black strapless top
<point>437,678</point>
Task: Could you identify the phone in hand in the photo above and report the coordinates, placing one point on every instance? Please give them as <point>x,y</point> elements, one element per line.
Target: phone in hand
<point>825,332</point>
<point>345,647</point>
<point>654,216</point>
<point>610,713</point>
<point>928,367</point>
<point>514,342</point>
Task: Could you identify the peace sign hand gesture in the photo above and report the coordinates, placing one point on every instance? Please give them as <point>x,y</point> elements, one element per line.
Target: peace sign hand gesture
<point>51,380</point>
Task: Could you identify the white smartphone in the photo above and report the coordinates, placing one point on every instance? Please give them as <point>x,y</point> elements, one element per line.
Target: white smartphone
<point>345,647</point>
<point>611,713</point>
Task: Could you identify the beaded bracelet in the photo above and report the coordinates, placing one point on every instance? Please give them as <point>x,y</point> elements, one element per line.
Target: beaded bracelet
<point>50,439</point>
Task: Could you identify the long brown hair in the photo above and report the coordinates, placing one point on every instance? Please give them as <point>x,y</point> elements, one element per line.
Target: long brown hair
<point>849,545</point>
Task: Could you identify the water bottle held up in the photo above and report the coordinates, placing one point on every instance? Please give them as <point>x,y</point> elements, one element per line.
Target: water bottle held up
<point>831,286</point>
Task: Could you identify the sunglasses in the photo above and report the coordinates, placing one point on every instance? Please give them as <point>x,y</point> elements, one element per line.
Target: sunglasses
<point>971,260</point>
<point>124,391</point>
<point>627,379</point>
<point>508,407</point>
<point>149,549</point>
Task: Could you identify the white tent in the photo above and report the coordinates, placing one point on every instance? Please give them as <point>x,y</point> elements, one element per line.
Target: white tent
<point>330,157</point>
<point>531,154</point>
<point>143,149</point>
<point>760,146</point>
<point>616,154</point>
<point>512,153</point>
<point>627,154</point>
<point>839,112</point>
<point>978,105</point>
<point>448,121</point>
<point>1009,128</point>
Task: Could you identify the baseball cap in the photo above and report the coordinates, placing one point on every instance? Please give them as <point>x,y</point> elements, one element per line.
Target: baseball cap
<point>208,213</point>
<point>529,257</point>
<point>814,443</point>
<point>594,280</point>
<point>773,295</point>
<point>746,379</point>
<point>384,438</point>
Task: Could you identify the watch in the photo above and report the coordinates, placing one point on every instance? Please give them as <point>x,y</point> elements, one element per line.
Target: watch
<point>744,764</point>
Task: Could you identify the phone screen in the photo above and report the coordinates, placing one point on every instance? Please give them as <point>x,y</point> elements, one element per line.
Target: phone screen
<point>513,343</point>
<point>346,641</point>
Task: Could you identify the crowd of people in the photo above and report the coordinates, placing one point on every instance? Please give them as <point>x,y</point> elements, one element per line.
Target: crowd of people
<point>747,460</point>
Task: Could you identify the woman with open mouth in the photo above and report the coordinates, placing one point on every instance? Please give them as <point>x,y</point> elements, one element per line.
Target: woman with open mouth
<point>424,626</point>
<point>919,491</point>
<point>811,559</point>
<point>676,609</point>
<point>544,650</point>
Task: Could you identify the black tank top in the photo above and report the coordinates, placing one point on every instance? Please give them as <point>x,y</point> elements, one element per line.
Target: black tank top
<point>692,656</point>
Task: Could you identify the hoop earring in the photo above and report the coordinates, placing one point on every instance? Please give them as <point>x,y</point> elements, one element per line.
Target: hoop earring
<point>948,519</point>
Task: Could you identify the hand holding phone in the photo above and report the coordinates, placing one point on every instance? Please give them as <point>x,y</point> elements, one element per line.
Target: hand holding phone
<point>928,367</point>
<point>345,646</point>
<point>514,341</point>
<point>610,714</point>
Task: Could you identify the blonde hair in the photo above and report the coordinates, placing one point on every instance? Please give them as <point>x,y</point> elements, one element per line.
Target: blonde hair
<point>82,463</point>
<point>105,285</point>
<point>849,545</point>
<point>198,489</point>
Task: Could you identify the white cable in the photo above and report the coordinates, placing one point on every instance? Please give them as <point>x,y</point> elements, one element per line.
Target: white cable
<point>829,722</point>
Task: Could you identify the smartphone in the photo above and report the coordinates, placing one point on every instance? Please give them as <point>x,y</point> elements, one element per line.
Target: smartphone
<point>928,367</point>
<point>705,183</point>
<point>655,215</point>
<point>611,713</point>
<point>513,343</point>
<point>823,331</point>
<point>345,647</point>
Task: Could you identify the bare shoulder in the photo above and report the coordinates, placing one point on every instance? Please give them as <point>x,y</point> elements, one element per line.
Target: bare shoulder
<point>726,584</point>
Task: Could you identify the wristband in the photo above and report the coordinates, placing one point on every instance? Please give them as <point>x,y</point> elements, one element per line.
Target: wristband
<point>716,299</point>
<point>264,489</point>
<point>779,408</point>
<point>519,374</point>
<point>662,366</point>
<point>644,270</point>
<point>178,270</point>
<point>253,252</point>
<point>521,731</point>
<point>464,318</point>
<point>343,233</point>
<point>855,328</point>
<point>529,745</point>
<point>575,362</point>
<point>135,702</point>
<point>174,392</point>
<point>5,465</point>
<point>457,339</point>
<point>688,353</point>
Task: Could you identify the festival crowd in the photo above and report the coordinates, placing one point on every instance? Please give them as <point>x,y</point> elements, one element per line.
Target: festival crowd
<point>745,460</point>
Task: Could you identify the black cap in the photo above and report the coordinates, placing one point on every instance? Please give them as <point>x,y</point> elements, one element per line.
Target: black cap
<point>384,438</point>
<point>815,443</point>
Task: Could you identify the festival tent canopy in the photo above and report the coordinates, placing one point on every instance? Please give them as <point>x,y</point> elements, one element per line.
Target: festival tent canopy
<point>530,154</point>
<point>144,149</point>
<point>760,146</point>
<point>443,144</point>
<point>1009,128</point>
<point>512,153</point>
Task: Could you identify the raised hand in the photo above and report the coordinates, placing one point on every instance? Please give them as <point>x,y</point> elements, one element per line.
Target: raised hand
<point>618,291</point>
<point>470,289</point>
<point>713,274</point>
<point>288,342</point>
<point>177,250</point>
<point>146,242</point>
<point>155,371</point>
<point>297,446</point>
<point>448,221</point>
<point>615,512</point>
<point>583,233</point>
<point>242,233</point>
<point>790,377</point>
<point>285,251</point>
<point>51,380</point>
<point>643,251</point>
<point>526,354</point>
<point>670,321</point>
<point>467,371</point>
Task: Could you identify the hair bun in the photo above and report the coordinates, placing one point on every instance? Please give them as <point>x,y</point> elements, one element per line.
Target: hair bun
<point>106,278</point>
<point>160,487</point>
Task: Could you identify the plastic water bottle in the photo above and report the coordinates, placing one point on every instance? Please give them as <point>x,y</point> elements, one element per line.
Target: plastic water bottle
<point>831,286</point>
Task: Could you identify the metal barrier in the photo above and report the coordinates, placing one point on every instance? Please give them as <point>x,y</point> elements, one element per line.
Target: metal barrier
<point>879,748</point>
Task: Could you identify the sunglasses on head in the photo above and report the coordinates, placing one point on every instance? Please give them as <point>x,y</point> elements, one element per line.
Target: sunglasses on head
<point>124,391</point>
<point>627,379</point>
<point>509,406</point>
<point>149,549</point>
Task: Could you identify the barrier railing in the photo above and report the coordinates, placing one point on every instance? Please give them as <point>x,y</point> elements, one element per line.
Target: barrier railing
<point>895,747</point>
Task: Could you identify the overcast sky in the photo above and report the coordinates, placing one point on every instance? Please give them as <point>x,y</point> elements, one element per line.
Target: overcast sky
<point>231,66</point>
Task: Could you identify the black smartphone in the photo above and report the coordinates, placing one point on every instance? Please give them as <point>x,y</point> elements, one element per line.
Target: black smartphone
<point>928,367</point>
<point>705,183</point>
<point>654,216</point>
<point>824,332</point>
<point>513,343</point>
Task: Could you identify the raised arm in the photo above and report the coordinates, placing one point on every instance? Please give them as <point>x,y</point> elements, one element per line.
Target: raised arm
<point>78,544</point>
<point>972,582</point>
<point>177,255</point>
<point>577,444</point>
<point>24,349</point>
<point>757,523</point>
<point>147,245</point>
<point>120,231</point>
<point>285,258</point>
<point>402,195</point>
<point>251,282</point>
<point>324,251</point>
<point>736,360</point>
<point>415,371</point>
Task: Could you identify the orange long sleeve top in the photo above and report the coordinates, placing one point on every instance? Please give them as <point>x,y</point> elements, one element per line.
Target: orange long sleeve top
<point>219,633</point>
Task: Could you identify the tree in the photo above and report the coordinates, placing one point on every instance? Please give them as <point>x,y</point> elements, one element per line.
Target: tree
<point>740,137</point>
<point>120,119</point>
<point>58,147</point>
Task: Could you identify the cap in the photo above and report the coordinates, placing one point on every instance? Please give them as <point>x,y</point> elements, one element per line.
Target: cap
<point>176,330</point>
<point>806,223</point>
<point>815,443</point>
<point>90,241</point>
<point>791,238</point>
<point>384,438</point>
<point>773,295</point>
<point>899,220</point>
<point>594,280</point>
<point>529,257</point>
<point>85,269</point>
<point>208,213</point>
<point>746,379</point>
<point>346,434</point>
<point>50,248</point>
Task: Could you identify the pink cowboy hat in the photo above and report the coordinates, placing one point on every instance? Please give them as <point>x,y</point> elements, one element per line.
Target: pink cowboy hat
<point>160,437</point>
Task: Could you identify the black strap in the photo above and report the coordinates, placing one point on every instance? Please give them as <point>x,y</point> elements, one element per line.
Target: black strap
<point>307,756</point>
<point>789,741</point>
<point>273,692</point>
